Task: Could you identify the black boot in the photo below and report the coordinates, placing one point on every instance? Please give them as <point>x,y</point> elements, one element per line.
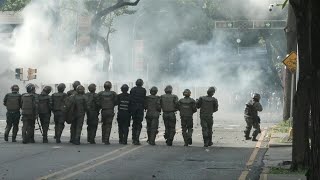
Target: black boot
<point>14,139</point>
<point>6,137</point>
<point>206,141</point>
<point>58,140</point>
<point>76,141</point>
<point>120,137</point>
<point>137,135</point>
<point>148,140</point>
<point>169,142</point>
<point>152,138</point>
<point>246,135</point>
<point>45,139</point>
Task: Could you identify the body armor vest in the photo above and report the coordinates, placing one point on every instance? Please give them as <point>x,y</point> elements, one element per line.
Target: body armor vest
<point>13,102</point>
<point>124,101</point>
<point>44,104</point>
<point>138,95</point>
<point>249,109</point>
<point>186,106</point>
<point>28,104</point>
<point>167,103</point>
<point>58,100</point>
<point>153,103</point>
<point>91,97</point>
<point>107,99</point>
<point>80,104</point>
<point>208,105</point>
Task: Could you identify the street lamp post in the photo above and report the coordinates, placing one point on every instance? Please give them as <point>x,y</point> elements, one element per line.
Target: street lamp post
<point>238,42</point>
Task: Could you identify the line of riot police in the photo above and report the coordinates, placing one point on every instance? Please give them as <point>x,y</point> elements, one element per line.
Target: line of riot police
<point>73,106</point>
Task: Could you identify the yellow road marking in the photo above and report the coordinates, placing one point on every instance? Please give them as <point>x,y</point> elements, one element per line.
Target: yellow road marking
<point>253,156</point>
<point>81,164</point>
<point>99,163</point>
<point>243,175</point>
<point>93,161</point>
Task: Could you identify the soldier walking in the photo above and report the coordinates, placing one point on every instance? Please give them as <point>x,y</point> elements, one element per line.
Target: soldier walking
<point>187,106</point>
<point>137,98</point>
<point>252,118</point>
<point>124,115</point>
<point>153,108</point>
<point>29,106</point>
<point>44,110</point>
<point>169,103</point>
<point>58,103</point>
<point>207,105</point>
<point>107,102</point>
<point>92,114</point>
<point>80,106</point>
<point>71,92</point>
<point>12,101</point>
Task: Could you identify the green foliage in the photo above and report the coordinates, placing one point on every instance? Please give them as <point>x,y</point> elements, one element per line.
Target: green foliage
<point>282,127</point>
<point>14,5</point>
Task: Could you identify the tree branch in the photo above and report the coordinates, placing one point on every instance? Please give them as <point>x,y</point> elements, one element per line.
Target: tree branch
<point>110,9</point>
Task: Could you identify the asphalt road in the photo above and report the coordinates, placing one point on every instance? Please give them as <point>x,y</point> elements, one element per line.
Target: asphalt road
<point>229,158</point>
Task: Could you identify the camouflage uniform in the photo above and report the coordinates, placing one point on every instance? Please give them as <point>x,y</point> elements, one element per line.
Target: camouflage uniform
<point>153,108</point>
<point>107,101</point>
<point>169,104</point>
<point>29,106</point>
<point>252,119</point>
<point>124,115</point>
<point>44,110</point>
<point>92,114</point>
<point>137,98</point>
<point>13,103</point>
<point>80,104</point>
<point>58,103</point>
<point>208,105</point>
<point>187,106</point>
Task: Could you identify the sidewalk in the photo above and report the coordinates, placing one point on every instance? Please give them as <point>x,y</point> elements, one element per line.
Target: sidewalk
<point>277,160</point>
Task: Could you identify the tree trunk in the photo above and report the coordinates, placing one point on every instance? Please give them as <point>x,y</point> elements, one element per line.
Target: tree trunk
<point>301,111</point>
<point>314,167</point>
<point>291,35</point>
<point>107,54</point>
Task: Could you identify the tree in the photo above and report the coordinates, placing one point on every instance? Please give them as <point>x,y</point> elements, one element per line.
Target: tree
<point>106,25</point>
<point>103,16</point>
<point>14,5</point>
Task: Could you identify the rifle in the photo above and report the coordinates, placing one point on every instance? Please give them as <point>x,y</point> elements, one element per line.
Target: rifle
<point>40,128</point>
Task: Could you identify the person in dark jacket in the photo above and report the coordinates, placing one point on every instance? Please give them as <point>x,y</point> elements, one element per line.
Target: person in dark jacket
<point>137,100</point>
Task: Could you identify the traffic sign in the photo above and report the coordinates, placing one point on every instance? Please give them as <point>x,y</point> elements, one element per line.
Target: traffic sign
<point>291,61</point>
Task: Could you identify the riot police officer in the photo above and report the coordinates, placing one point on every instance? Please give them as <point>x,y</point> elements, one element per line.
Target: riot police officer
<point>44,110</point>
<point>124,115</point>
<point>58,103</point>
<point>29,106</point>
<point>187,106</point>
<point>73,91</point>
<point>80,103</point>
<point>251,117</point>
<point>169,103</point>
<point>137,98</point>
<point>107,102</point>
<point>153,108</point>
<point>207,105</point>
<point>69,118</point>
<point>92,114</point>
<point>12,101</point>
